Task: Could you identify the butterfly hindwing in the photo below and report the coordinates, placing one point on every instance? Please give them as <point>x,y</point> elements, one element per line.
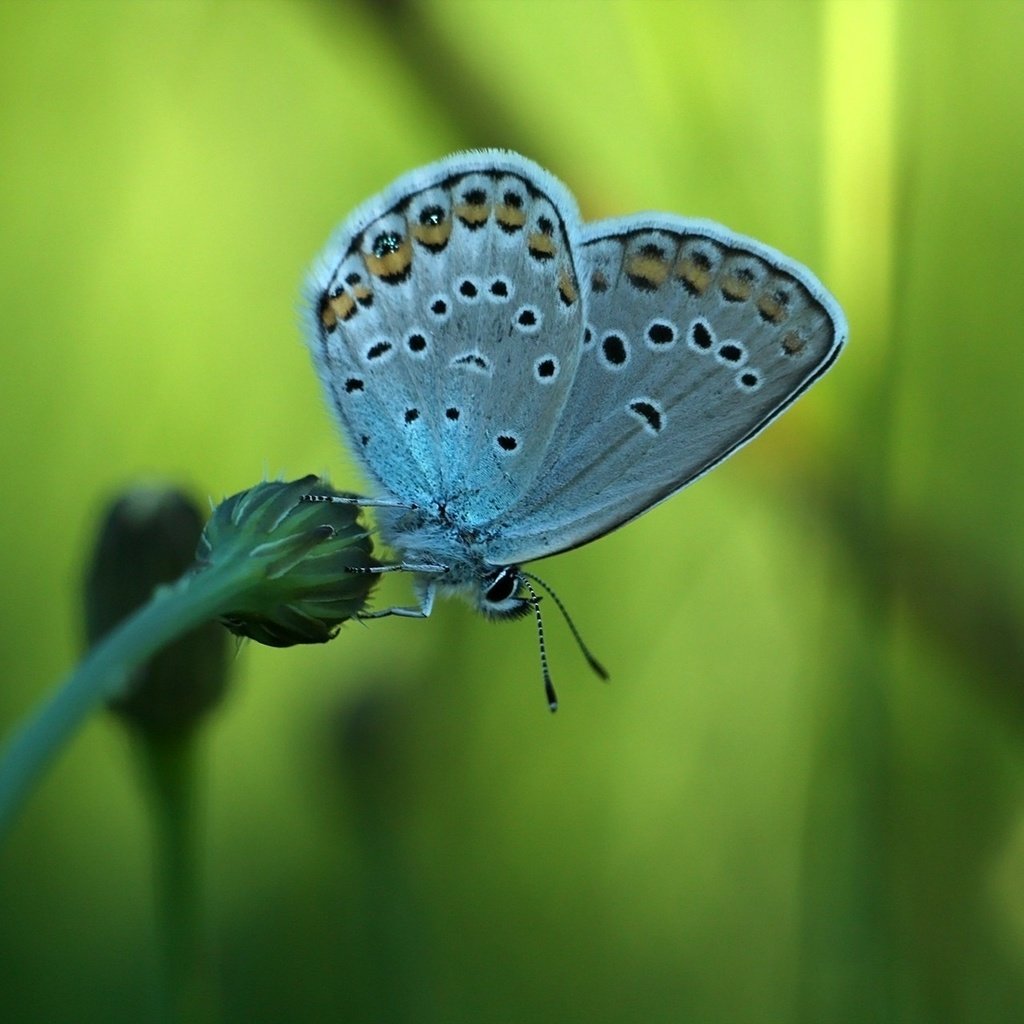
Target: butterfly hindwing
<point>695,340</point>
<point>446,318</point>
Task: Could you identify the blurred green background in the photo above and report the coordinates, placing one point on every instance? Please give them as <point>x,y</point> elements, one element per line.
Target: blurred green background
<point>801,797</point>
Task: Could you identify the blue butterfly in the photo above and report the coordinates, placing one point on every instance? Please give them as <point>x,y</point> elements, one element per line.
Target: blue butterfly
<point>518,383</point>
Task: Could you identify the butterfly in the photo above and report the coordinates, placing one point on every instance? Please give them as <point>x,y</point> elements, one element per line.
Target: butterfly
<point>518,383</point>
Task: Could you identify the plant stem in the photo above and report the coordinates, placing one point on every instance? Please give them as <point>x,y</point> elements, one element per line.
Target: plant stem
<point>167,768</point>
<point>171,612</point>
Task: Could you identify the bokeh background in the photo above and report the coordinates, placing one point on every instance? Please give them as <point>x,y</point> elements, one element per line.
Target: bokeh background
<point>801,797</point>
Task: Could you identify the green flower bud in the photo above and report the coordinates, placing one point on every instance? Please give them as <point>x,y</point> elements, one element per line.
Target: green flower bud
<point>147,538</point>
<point>299,555</point>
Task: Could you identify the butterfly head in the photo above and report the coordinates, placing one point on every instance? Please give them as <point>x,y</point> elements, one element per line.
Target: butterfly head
<point>501,594</point>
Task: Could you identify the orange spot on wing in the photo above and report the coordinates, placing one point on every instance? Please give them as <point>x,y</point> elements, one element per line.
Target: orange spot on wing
<point>646,270</point>
<point>541,246</point>
<point>771,309</point>
<point>510,217</point>
<point>433,236</point>
<point>335,309</point>
<point>392,265</point>
<point>567,288</point>
<point>736,288</point>
<point>473,214</point>
<point>696,277</point>
<point>793,344</point>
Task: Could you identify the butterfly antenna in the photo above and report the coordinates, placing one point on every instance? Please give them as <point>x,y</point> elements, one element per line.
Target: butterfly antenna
<point>598,668</point>
<point>549,687</point>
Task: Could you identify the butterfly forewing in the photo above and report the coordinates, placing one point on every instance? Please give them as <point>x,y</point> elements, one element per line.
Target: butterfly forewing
<point>695,340</point>
<point>446,318</point>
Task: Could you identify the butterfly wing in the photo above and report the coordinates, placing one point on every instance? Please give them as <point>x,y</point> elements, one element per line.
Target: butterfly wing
<point>444,319</point>
<point>696,339</point>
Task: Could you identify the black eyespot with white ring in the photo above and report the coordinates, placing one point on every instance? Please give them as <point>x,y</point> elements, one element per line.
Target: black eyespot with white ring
<point>527,320</point>
<point>417,343</point>
<point>546,369</point>
<point>749,380</point>
<point>614,350</point>
<point>379,352</point>
<point>500,289</point>
<point>660,335</point>
<point>731,353</point>
<point>439,307</point>
<point>700,337</point>
<point>649,413</point>
<point>467,289</point>
<point>507,443</point>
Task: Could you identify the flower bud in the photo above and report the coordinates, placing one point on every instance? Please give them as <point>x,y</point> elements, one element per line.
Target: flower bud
<point>299,555</point>
<point>147,538</point>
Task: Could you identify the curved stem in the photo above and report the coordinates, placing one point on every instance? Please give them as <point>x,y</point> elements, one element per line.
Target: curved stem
<point>102,673</point>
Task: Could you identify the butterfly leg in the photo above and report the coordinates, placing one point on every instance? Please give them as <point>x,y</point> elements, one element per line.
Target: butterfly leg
<point>426,604</point>
<point>355,499</point>
<point>378,570</point>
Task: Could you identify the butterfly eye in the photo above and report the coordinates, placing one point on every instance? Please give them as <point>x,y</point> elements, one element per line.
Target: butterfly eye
<point>499,594</point>
<point>502,586</point>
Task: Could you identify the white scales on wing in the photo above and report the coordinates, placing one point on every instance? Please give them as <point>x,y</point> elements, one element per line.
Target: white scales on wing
<point>518,383</point>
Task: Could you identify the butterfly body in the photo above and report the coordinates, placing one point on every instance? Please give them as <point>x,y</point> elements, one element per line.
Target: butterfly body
<point>518,383</point>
